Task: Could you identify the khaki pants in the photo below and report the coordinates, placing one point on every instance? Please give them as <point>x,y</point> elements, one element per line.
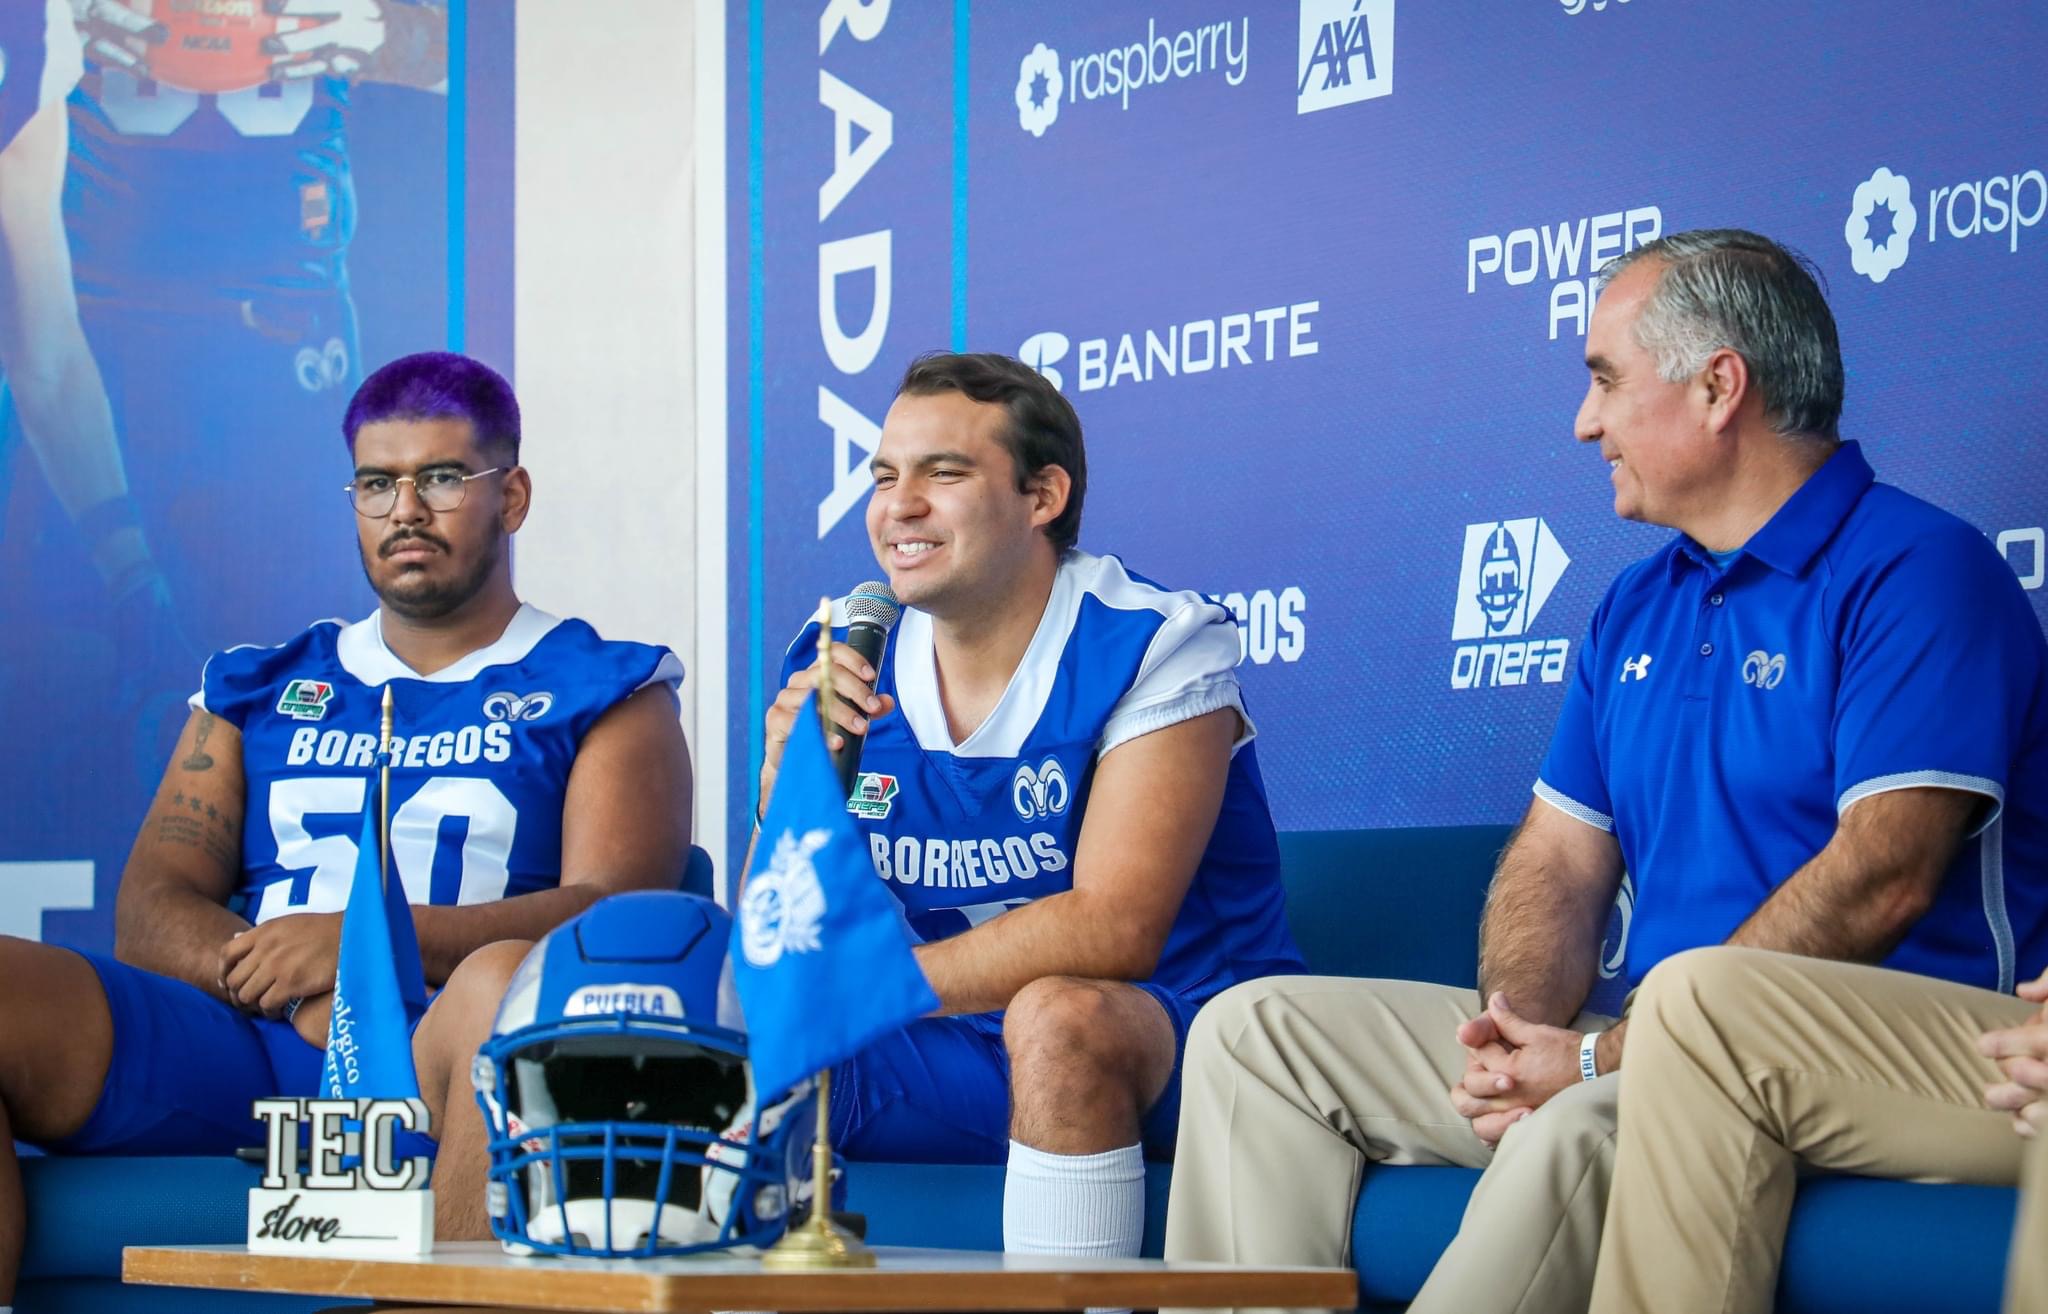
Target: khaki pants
<point>1742,1065</point>
<point>1292,1085</point>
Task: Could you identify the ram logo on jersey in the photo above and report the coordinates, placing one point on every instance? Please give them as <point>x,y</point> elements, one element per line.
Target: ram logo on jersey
<point>505,705</point>
<point>965,864</point>
<point>337,747</point>
<point>1041,793</point>
<point>305,700</point>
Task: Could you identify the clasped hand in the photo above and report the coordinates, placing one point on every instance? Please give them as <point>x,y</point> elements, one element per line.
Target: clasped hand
<point>265,967</point>
<point>2021,1053</point>
<point>1513,1066</point>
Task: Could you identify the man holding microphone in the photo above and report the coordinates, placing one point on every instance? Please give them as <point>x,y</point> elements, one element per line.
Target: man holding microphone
<point>1058,782</point>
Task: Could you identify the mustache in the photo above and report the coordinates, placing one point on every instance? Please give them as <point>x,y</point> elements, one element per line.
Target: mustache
<point>399,540</point>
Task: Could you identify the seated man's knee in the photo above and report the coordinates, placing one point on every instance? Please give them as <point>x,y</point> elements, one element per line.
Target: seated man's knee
<point>1687,981</point>
<point>477,985</point>
<point>1067,1030</point>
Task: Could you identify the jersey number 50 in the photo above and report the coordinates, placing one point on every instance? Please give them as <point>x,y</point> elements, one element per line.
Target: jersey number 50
<point>415,841</point>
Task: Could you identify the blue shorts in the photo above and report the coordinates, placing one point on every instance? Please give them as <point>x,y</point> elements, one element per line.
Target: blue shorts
<point>938,1091</point>
<point>185,1069</point>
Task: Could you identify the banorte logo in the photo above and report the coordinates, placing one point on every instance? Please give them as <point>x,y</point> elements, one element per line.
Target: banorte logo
<point>1042,351</point>
<point>1893,194</point>
<point>1039,88</point>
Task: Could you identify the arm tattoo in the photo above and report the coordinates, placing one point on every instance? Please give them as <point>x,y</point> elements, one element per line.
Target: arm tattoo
<point>215,837</point>
<point>199,759</point>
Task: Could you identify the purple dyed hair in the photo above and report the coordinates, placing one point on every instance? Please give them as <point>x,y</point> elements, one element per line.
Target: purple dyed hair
<point>433,385</point>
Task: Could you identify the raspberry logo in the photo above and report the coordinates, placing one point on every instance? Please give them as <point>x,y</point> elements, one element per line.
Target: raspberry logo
<point>1885,190</point>
<point>1038,105</point>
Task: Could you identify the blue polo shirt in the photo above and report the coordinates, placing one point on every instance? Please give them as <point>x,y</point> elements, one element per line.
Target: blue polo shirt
<point>1722,717</point>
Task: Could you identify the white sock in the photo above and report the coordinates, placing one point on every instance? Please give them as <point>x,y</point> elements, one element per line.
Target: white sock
<point>1075,1204</point>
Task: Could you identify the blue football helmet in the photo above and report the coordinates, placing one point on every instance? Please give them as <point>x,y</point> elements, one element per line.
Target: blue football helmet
<point>621,1110</point>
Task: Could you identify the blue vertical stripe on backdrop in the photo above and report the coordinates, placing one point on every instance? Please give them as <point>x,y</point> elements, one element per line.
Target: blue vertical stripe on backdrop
<point>458,169</point>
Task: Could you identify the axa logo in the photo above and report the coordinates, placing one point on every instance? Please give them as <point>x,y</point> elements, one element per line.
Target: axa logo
<point>1039,88</point>
<point>1042,351</point>
<point>505,705</point>
<point>1509,570</point>
<point>1881,224</point>
<point>1346,53</point>
<point>1764,670</point>
<point>1636,668</point>
<point>1040,793</point>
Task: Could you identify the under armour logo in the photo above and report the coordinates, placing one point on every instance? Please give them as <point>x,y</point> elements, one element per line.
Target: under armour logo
<point>1637,668</point>
<point>1764,670</point>
<point>506,706</point>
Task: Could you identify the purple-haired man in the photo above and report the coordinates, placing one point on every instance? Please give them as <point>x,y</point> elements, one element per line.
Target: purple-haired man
<point>537,769</point>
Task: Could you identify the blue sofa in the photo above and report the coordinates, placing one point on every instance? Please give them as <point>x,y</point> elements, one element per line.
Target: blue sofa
<point>1401,903</point>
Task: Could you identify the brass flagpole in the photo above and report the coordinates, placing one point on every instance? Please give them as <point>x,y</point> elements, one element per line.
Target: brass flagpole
<point>820,1242</point>
<point>384,796</point>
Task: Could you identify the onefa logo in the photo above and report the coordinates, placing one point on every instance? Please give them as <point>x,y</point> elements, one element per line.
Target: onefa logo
<point>874,794</point>
<point>305,700</point>
<point>1881,224</point>
<point>1346,53</point>
<point>1039,88</point>
<point>1509,571</point>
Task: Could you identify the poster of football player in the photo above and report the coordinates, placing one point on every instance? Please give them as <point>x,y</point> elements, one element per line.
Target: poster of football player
<point>254,188</point>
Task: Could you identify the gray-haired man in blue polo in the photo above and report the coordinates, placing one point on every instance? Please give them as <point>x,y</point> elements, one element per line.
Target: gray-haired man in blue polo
<point>1816,722</point>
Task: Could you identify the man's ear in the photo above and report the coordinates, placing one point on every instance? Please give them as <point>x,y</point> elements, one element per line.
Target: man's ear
<point>517,498</point>
<point>1050,487</point>
<point>1726,383</point>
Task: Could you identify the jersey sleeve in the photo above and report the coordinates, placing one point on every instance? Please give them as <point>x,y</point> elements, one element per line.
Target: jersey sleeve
<point>235,683</point>
<point>1941,657</point>
<point>1189,670</point>
<point>1572,779</point>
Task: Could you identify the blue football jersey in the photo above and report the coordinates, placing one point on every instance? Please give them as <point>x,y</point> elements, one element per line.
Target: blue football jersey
<point>962,832</point>
<point>481,756</point>
<point>40,61</point>
<point>175,194</point>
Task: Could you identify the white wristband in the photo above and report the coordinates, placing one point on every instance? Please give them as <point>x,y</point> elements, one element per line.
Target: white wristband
<point>1589,1066</point>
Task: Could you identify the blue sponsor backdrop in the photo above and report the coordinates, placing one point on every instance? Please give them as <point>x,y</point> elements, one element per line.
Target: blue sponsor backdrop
<point>239,258</point>
<point>1315,275</point>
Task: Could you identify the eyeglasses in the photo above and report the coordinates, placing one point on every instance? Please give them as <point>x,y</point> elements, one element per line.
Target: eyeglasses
<point>375,496</point>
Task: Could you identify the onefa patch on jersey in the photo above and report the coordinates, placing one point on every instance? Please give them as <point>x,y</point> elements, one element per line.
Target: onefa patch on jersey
<point>873,795</point>
<point>305,700</point>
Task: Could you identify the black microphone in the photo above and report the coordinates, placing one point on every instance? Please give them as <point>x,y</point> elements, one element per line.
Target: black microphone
<point>871,612</point>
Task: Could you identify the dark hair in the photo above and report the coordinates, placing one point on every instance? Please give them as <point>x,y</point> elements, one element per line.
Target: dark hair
<point>1727,287</point>
<point>1043,429</point>
<point>433,385</point>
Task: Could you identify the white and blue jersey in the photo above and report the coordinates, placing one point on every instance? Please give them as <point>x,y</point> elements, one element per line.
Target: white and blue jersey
<point>481,750</point>
<point>960,832</point>
<point>40,61</point>
<point>1725,714</point>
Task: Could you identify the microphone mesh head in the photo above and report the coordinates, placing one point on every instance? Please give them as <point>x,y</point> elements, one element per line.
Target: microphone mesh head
<point>873,603</point>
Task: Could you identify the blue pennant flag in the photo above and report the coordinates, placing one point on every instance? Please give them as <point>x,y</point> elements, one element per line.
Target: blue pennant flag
<point>820,953</point>
<point>379,989</point>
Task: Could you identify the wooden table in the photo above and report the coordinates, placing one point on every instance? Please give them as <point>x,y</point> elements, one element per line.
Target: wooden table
<point>480,1273</point>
